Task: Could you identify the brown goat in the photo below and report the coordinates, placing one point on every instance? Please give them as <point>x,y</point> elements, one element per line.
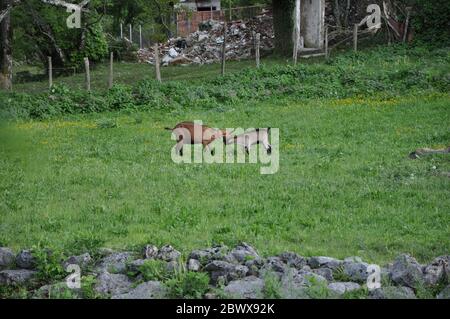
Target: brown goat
<point>193,133</point>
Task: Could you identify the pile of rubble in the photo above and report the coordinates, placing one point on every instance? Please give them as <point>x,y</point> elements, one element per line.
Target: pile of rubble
<point>205,46</point>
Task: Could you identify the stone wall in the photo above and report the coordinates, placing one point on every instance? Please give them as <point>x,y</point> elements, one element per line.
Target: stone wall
<point>238,272</point>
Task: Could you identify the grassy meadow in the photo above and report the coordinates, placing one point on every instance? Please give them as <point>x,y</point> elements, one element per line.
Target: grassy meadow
<point>345,185</point>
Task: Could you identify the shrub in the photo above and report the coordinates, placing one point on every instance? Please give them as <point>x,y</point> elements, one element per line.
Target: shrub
<point>188,285</point>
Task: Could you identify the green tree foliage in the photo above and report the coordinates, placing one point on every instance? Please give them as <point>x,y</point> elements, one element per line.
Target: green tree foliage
<point>430,20</point>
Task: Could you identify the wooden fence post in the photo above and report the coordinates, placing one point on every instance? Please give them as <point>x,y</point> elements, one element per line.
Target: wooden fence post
<point>157,64</point>
<point>88,74</point>
<point>111,70</point>
<point>121,30</point>
<point>326,42</point>
<point>50,72</point>
<point>257,44</point>
<point>224,45</point>
<point>355,37</point>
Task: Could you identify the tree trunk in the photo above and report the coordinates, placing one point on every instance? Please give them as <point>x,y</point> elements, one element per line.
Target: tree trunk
<point>5,48</point>
<point>283,26</point>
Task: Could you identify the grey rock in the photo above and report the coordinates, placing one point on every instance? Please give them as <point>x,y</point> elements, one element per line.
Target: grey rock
<point>193,265</point>
<point>112,284</point>
<point>59,290</point>
<point>310,275</point>
<point>222,270</point>
<point>146,290</point>
<point>150,252</point>
<point>242,253</point>
<point>445,293</point>
<point>6,258</point>
<point>294,285</point>
<point>172,266</point>
<point>18,277</point>
<point>391,292</point>
<point>81,260</point>
<point>248,288</point>
<point>115,262</point>
<point>340,288</point>
<point>25,260</point>
<point>406,271</point>
<point>293,260</point>
<point>210,295</point>
<point>208,255</point>
<point>135,266</point>
<point>254,266</point>
<point>437,270</point>
<point>274,264</point>
<point>168,253</point>
<point>326,273</point>
<point>327,262</point>
<point>356,271</point>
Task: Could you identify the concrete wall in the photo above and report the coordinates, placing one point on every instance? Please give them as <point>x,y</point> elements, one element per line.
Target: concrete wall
<point>193,6</point>
<point>312,23</point>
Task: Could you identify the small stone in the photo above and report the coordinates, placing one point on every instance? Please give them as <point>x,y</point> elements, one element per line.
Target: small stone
<point>222,270</point>
<point>406,271</point>
<point>135,266</point>
<point>81,260</point>
<point>193,265</point>
<point>445,293</point>
<point>293,260</point>
<point>146,290</point>
<point>342,287</point>
<point>18,277</point>
<point>327,273</point>
<point>274,264</point>
<point>116,262</point>
<point>210,295</point>
<point>25,260</point>
<point>150,252</point>
<point>168,253</point>
<point>248,288</point>
<point>6,258</point>
<point>172,266</point>
<point>173,53</point>
<point>208,255</point>
<point>112,284</point>
<point>437,270</point>
<point>327,262</point>
<point>254,266</point>
<point>356,271</point>
<point>391,292</point>
<point>59,290</point>
<point>242,253</point>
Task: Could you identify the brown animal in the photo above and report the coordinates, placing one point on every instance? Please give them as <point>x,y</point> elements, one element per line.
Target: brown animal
<point>193,133</point>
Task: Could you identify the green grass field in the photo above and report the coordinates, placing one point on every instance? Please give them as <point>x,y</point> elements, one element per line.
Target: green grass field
<point>345,186</point>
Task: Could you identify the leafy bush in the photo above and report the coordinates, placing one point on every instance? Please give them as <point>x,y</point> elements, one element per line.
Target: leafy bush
<point>48,264</point>
<point>154,269</point>
<point>344,76</point>
<point>188,285</point>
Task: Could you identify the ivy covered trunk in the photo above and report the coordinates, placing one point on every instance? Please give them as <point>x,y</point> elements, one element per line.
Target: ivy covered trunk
<point>5,48</point>
<point>283,26</point>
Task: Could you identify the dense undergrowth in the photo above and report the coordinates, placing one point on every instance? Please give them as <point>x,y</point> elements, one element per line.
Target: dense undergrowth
<point>388,71</point>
